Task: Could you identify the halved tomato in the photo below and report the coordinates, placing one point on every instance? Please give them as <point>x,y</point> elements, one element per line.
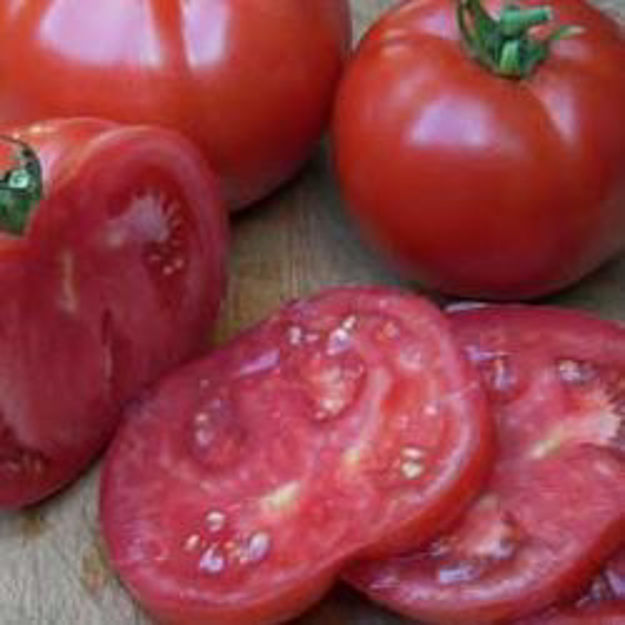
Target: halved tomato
<point>347,425</point>
<point>555,507</point>
<point>113,277</point>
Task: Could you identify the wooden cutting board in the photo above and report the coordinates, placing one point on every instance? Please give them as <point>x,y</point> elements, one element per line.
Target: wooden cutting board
<point>53,569</point>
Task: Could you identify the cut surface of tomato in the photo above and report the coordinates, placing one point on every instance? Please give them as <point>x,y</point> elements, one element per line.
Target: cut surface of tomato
<point>614,575</point>
<point>610,613</point>
<point>117,277</point>
<point>346,425</point>
<point>555,507</point>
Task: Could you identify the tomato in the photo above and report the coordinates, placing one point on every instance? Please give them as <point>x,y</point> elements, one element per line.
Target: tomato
<point>116,277</point>
<point>251,83</point>
<point>554,510</point>
<point>343,426</point>
<point>482,185</point>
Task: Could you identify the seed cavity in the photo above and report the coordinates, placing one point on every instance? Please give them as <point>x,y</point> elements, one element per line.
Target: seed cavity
<point>282,498</point>
<point>258,547</point>
<point>192,542</point>
<point>265,362</point>
<point>598,428</point>
<point>574,372</point>
<point>412,470</point>
<point>295,335</point>
<point>457,573</point>
<point>336,388</point>
<point>212,562</point>
<point>502,378</point>
<point>215,521</point>
<point>412,462</point>
<point>413,453</point>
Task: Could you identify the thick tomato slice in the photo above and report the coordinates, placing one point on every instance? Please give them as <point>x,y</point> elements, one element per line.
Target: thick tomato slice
<point>346,425</point>
<point>555,507</point>
<point>116,279</point>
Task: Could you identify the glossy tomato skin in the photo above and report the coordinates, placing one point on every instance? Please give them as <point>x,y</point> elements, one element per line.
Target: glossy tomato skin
<point>117,278</point>
<point>251,83</point>
<point>344,426</point>
<point>478,185</point>
<point>552,513</point>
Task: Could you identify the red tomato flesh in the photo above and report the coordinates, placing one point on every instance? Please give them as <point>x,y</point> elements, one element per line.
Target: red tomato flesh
<point>555,506</point>
<point>614,574</point>
<point>606,614</point>
<point>117,278</point>
<point>346,425</point>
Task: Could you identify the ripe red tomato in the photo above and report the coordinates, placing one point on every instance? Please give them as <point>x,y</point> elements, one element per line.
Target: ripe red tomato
<point>483,185</point>
<point>250,82</point>
<point>555,508</point>
<point>344,426</point>
<point>116,277</point>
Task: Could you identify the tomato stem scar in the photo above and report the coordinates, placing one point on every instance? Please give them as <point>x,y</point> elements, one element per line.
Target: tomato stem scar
<point>21,187</point>
<point>504,44</point>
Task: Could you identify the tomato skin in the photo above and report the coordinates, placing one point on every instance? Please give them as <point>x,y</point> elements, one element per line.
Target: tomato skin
<point>90,322</point>
<point>297,429</point>
<point>478,185</point>
<point>207,69</point>
<point>553,512</point>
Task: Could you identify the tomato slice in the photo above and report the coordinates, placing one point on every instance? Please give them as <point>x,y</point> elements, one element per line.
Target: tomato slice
<point>610,613</point>
<point>614,575</point>
<point>117,278</point>
<point>555,506</point>
<point>346,425</point>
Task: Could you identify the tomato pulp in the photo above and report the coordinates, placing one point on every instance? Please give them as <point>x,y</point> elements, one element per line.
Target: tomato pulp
<point>345,426</point>
<point>555,508</point>
<point>251,83</point>
<point>116,277</point>
<point>607,614</point>
<point>482,185</point>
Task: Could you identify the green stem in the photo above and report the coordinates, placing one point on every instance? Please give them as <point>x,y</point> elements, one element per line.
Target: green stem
<point>21,188</point>
<point>505,45</point>
<point>515,22</point>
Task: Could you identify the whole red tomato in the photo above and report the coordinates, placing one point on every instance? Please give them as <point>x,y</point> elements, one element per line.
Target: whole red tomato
<point>501,179</point>
<point>113,246</point>
<point>251,82</point>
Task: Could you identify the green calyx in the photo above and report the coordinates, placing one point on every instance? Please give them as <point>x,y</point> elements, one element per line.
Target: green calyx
<point>21,188</point>
<point>505,45</point>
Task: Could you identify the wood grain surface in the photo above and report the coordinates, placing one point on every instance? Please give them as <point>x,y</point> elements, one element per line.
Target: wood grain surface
<point>53,568</point>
